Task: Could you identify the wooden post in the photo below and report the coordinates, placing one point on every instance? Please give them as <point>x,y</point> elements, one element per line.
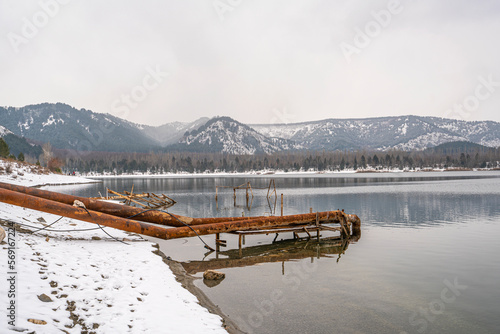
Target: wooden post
<point>317,226</point>
<point>282,204</point>
<point>310,210</point>
<point>247,193</point>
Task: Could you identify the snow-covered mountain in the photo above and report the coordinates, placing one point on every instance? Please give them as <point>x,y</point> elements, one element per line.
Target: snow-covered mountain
<point>399,132</point>
<point>224,134</point>
<point>4,131</point>
<point>171,133</point>
<point>68,128</point>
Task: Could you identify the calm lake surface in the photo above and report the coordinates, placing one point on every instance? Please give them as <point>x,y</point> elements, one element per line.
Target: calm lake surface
<point>428,260</point>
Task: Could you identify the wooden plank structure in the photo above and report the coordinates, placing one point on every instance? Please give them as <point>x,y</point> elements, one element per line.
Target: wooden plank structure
<point>120,217</point>
<point>144,200</point>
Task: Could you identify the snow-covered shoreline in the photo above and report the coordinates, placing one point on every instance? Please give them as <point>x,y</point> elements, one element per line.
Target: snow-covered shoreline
<point>72,277</point>
<point>24,174</point>
<point>280,173</point>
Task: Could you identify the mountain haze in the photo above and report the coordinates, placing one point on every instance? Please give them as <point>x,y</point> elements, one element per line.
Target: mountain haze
<point>171,133</point>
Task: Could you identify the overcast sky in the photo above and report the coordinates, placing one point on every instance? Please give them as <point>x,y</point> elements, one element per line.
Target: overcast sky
<point>258,61</point>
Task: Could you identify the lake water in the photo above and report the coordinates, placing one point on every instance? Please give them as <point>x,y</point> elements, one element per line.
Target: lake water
<point>428,260</point>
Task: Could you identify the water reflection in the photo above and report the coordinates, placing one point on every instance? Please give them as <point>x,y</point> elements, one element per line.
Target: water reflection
<point>279,251</point>
<point>418,230</point>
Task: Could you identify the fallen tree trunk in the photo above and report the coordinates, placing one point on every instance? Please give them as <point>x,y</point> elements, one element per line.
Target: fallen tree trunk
<point>157,217</point>
<point>60,209</point>
<point>257,223</point>
<point>119,210</point>
<point>41,204</point>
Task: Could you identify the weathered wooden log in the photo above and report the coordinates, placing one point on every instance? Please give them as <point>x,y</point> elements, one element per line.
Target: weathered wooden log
<point>41,204</point>
<point>255,224</point>
<point>153,216</point>
<point>355,223</point>
<point>119,210</point>
<point>61,209</point>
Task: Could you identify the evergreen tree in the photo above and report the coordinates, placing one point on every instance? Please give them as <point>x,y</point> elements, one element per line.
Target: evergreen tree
<point>4,149</point>
<point>342,164</point>
<point>20,157</point>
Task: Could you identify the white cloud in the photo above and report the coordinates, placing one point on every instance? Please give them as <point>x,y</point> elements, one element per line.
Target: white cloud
<point>264,55</point>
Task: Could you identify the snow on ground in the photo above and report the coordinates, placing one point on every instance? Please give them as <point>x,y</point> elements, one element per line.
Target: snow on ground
<point>95,283</point>
<point>30,175</point>
<point>80,280</point>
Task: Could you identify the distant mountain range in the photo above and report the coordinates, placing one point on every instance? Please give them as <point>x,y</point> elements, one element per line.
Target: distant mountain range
<point>383,133</point>
<point>68,128</point>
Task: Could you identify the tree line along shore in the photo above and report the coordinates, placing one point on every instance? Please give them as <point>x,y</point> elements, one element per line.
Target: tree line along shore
<point>458,155</point>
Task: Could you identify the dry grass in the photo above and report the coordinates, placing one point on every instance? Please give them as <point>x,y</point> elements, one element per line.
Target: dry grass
<point>8,166</point>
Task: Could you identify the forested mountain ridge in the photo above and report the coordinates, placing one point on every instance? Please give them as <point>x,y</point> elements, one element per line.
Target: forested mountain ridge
<point>68,128</point>
<point>82,130</point>
<point>383,133</point>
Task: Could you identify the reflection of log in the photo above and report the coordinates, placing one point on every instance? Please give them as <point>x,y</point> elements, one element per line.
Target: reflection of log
<point>276,252</point>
